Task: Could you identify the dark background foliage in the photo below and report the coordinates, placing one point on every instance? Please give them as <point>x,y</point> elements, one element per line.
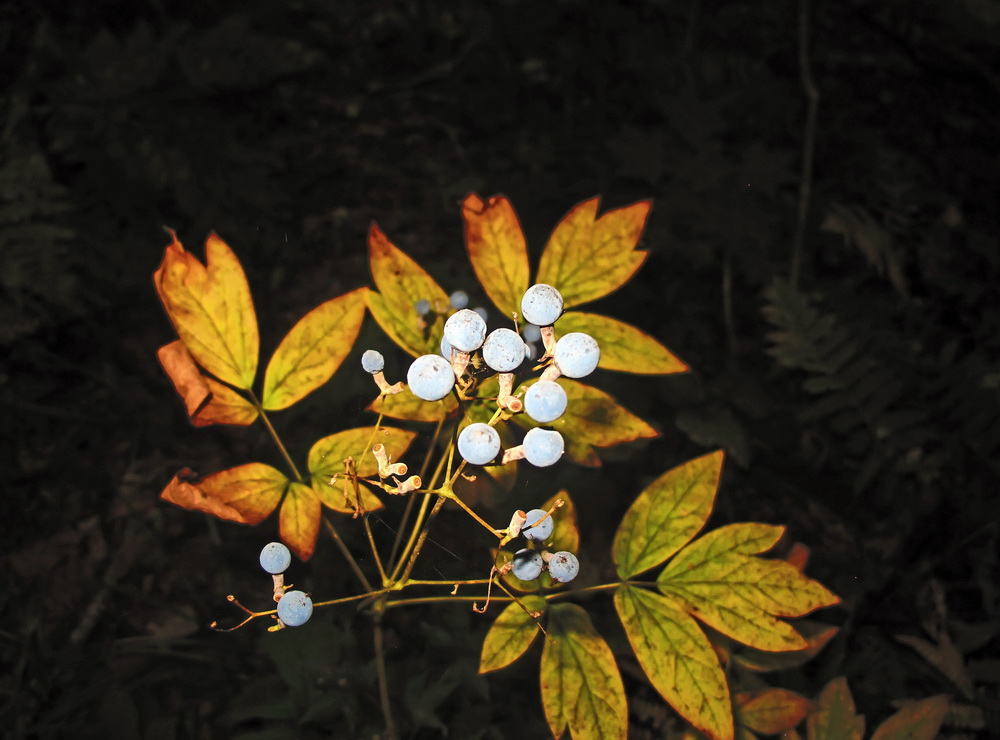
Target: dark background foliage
<point>859,406</point>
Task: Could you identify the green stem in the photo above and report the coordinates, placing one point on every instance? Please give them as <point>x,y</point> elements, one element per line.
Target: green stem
<point>444,599</point>
<point>274,435</point>
<point>347,554</point>
<point>383,680</point>
<point>423,538</point>
<point>371,543</point>
<point>410,502</point>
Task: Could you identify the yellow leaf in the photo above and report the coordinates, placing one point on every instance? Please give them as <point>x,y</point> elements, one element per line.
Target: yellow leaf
<point>408,407</point>
<point>244,494</point>
<point>339,495</point>
<point>298,521</point>
<point>665,516</point>
<point>816,635</point>
<point>401,282</point>
<point>327,455</point>
<point>510,635</point>
<point>720,582</point>
<point>226,406</point>
<point>592,419</point>
<point>312,351</point>
<point>835,718</point>
<point>770,711</point>
<point>623,347</point>
<point>678,659</point>
<point>581,686</point>
<point>588,257</point>
<point>919,720</point>
<point>211,309</point>
<point>497,250</point>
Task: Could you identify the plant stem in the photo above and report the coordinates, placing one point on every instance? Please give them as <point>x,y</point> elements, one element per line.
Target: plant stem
<point>371,542</point>
<point>383,680</point>
<point>410,502</point>
<point>444,599</point>
<point>274,435</point>
<point>347,554</point>
<point>808,141</point>
<point>423,538</point>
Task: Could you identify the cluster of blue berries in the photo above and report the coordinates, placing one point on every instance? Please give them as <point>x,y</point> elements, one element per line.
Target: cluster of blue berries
<point>431,377</point>
<point>528,563</point>
<point>294,607</point>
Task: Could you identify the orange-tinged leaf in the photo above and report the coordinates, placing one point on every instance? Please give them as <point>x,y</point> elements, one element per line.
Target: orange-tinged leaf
<point>211,309</point>
<point>623,347</point>
<point>592,419</point>
<point>226,406</point>
<point>581,686</point>
<point>185,374</point>
<point>401,282</point>
<point>920,720</point>
<point>510,635</point>
<point>408,407</point>
<point>720,582</point>
<point>244,494</point>
<point>771,711</point>
<point>299,519</point>
<point>339,495</point>
<point>312,351</point>
<point>327,455</point>
<point>588,257</point>
<point>497,250</point>
<point>667,515</point>
<point>834,719</point>
<point>678,659</point>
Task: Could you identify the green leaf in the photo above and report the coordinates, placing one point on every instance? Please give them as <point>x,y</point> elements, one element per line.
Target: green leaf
<point>678,659</point>
<point>581,686</point>
<point>327,455</point>
<point>401,282</point>
<point>665,516</point>
<point>497,250</point>
<point>623,347</point>
<point>312,351</point>
<point>588,257</point>
<point>511,635</point>
<point>408,407</point>
<point>720,582</point>
<point>920,720</point>
<point>835,718</point>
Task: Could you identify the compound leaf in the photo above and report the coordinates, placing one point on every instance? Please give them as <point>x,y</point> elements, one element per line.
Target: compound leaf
<point>588,257</point>
<point>245,494</point>
<point>211,309</point>
<point>298,520</point>
<point>771,711</point>
<point>678,659</point>
<point>719,581</point>
<point>920,720</point>
<point>581,686</point>
<point>408,407</point>
<point>665,516</point>
<point>510,635</point>
<point>623,347</point>
<point>327,455</point>
<point>834,718</point>
<point>497,250</point>
<point>312,351</point>
<point>401,282</point>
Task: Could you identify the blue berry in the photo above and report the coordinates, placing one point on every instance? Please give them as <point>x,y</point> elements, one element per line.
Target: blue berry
<point>465,330</point>
<point>527,565</point>
<point>447,351</point>
<point>563,567</point>
<point>372,361</point>
<point>422,307</point>
<point>459,299</point>
<point>543,447</point>
<point>275,558</point>
<point>531,333</point>
<point>576,354</point>
<point>478,443</point>
<point>530,350</point>
<point>483,313</point>
<point>295,608</point>
<point>538,525</point>
<point>503,350</point>
<point>545,401</point>
<point>430,377</point>
<point>542,304</point>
